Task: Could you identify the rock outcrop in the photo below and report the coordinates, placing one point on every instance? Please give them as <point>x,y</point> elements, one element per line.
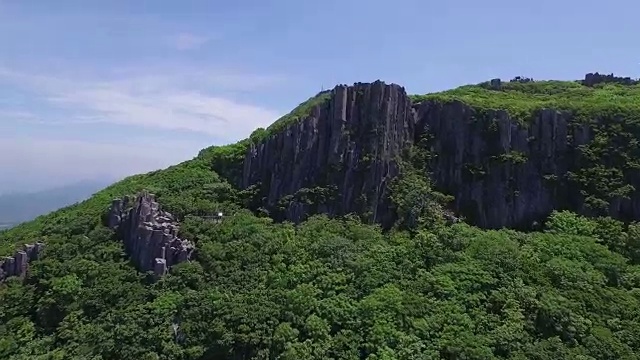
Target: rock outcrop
<point>18,264</point>
<point>498,169</point>
<point>349,143</point>
<point>149,234</point>
<point>592,79</point>
<point>502,173</point>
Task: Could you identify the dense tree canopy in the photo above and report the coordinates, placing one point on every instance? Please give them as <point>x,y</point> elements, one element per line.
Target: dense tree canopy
<point>324,289</point>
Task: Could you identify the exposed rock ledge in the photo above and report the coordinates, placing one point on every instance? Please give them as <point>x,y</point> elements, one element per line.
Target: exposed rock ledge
<point>150,235</point>
<point>17,264</point>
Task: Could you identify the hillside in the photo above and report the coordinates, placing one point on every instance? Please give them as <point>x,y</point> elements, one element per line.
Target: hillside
<point>19,207</point>
<point>341,238</point>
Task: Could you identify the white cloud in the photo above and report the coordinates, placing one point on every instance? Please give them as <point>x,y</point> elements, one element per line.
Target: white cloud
<point>156,98</point>
<point>40,163</point>
<point>171,75</point>
<point>170,102</point>
<point>188,41</point>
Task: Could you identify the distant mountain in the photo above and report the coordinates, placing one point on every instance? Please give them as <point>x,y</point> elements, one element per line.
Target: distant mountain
<point>20,207</point>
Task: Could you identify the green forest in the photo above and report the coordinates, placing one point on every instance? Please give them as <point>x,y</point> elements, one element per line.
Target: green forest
<point>332,288</point>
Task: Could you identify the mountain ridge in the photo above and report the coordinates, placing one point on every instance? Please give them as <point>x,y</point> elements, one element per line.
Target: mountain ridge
<point>336,285</point>
<point>227,160</point>
<point>524,118</point>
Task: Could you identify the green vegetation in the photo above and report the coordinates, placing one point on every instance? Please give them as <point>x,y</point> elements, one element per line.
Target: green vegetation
<point>182,188</point>
<point>513,157</point>
<point>417,205</point>
<point>522,100</point>
<point>327,288</point>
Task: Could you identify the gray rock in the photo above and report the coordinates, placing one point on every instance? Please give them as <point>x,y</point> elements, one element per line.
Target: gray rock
<point>507,194</point>
<point>18,264</point>
<point>149,234</point>
<point>327,149</point>
<point>159,267</point>
<point>593,79</point>
<point>21,263</point>
<point>9,266</point>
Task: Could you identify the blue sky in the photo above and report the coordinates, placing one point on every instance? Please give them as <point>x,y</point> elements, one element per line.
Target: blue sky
<point>110,88</point>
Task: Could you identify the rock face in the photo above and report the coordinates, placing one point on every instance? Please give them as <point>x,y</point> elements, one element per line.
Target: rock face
<point>17,264</point>
<point>477,162</point>
<point>148,233</point>
<point>349,144</point>
<point>500,172</point>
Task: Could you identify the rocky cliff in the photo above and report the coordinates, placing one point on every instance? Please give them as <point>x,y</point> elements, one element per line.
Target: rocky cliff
<point>149,234</point>
<point>501,170</point>
<point>340,158</point>
<point>17,264</point>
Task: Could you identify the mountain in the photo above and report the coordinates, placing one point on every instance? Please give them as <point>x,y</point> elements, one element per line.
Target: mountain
<point>491,221</point>
<point>19,207</point>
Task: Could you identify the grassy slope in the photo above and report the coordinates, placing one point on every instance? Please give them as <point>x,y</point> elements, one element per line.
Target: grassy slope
<point>175,186</point>
<point>522,99</point>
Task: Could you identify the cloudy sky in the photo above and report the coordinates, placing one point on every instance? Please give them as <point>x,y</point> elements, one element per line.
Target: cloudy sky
<point>92,89</point>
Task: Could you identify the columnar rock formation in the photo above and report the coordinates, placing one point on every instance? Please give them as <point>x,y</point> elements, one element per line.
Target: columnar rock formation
<point>501,172</point>
<point>17,264</point>
<point>349,142</point>
<point>499,176</point>
<point>149,234</point>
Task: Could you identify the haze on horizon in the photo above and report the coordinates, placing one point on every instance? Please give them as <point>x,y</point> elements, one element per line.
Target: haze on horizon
<point>121,87</point>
